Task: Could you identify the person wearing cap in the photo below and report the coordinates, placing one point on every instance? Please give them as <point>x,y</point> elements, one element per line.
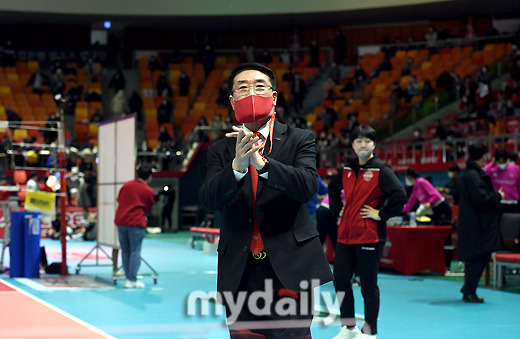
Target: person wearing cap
<point>268,242</point>
<point>505,176</point>
<point>478,226</point>
<point>373,194</point>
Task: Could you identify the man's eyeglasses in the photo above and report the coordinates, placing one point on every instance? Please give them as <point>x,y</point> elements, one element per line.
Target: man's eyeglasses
<point>259,89</point>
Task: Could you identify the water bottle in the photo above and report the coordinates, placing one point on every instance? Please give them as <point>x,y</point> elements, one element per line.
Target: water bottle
<point>413,221</point>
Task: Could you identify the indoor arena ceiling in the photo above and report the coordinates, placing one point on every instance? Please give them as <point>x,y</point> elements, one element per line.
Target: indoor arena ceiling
<point>415,13</point>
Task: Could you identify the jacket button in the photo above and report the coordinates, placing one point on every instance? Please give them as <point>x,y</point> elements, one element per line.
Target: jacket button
<point>245,249</point>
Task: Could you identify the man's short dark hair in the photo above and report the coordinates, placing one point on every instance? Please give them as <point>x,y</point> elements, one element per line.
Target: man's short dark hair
<point>144,172</point>
<point>411,172</point>
<point>476,151</point>
<point>364,131</point>
<point>501,154</point>
<point>251,66</point>
<point>454,168</point>
<point>511,155</point>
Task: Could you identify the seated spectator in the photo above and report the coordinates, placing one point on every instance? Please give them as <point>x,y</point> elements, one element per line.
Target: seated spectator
<point>428,196</point>
<point>359,75</point>
<point>118,81</point>
<point>385,65</point>
<point>164,136</point>
<point>37,81</point>
<point>285,57</point>
<point>482,97</point>
<point>408,67</point>
<point>349,87</point>
<point>119,105</point>
<point>417,139</point>
<point>329,89</point>
<point>96,117</point>
<point>431,38</point>
<point>492,31</point>
<point>265,57</point>
<point>163,85</point>
<point>395,98</point>
<point>164,112</point>
<point>441,132</point>
<point>92,70</point>
<point>70,69</point>
<point>314,51</point>
<point>91,96</point>
<point>154,64</point>
<point>288,76</point>
<point>427,90</point>
<point>8,55</point>
<point>414,87</point>
<point>335,73</point>
<point>298,91</point>
<point>58,82</point>
<point>445,81</point>
<point>484,75</point>
<point>135,104</point>
<point>184,84</point>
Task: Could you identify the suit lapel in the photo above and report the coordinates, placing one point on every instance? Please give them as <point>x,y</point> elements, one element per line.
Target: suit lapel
<point>279,137</point>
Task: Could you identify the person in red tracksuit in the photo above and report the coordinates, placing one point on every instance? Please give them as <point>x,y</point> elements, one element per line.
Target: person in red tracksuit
<point>373,194</point>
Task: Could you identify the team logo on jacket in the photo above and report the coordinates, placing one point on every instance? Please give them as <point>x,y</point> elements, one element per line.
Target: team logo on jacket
<point>368,175</point>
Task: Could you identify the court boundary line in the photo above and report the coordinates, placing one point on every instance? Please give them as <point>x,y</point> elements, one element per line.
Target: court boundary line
<point>57,310</point>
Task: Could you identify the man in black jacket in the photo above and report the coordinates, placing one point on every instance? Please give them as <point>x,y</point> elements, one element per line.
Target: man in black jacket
<point>478,228</point>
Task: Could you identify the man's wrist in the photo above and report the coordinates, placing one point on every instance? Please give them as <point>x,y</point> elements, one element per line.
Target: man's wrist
<point>264,168</point>
<point>235,167</point>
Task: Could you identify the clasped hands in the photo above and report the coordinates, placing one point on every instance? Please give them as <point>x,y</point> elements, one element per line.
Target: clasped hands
<point>246,150</point>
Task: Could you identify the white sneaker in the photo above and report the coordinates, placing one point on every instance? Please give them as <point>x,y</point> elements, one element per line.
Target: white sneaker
<point>366,336</point>
<point>345,333</point>
<point>129,284</point>
<point>139,284</point>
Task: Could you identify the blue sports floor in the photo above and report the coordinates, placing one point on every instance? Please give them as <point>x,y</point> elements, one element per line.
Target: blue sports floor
<point>411,307</point>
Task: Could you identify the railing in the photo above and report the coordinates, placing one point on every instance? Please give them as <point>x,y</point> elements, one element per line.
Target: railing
<point>405,153</point>
<point>179,159</point>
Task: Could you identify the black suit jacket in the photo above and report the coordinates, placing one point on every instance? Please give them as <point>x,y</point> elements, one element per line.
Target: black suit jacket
<point>290,239</point>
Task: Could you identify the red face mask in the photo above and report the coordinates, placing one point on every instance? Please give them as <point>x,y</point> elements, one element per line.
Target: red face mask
<point>254,108</point>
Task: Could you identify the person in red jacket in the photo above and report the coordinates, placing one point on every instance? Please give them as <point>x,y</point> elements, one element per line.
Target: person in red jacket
<point>373,194</point>
<point>135,199</point>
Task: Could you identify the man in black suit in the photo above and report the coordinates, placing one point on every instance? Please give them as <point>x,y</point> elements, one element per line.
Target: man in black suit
<point>267,240</point>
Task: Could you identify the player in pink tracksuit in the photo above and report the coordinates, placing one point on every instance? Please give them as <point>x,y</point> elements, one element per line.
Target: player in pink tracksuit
<point>507,177</point>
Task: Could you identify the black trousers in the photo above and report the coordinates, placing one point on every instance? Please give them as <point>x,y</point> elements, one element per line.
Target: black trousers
<point>442,214</point>
<point>276,320</point>
<point>327,224</point>
<point>362,260</point>
<point>474,270</point>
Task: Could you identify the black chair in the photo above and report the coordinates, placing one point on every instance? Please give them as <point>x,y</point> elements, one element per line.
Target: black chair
<point>510,228</point>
